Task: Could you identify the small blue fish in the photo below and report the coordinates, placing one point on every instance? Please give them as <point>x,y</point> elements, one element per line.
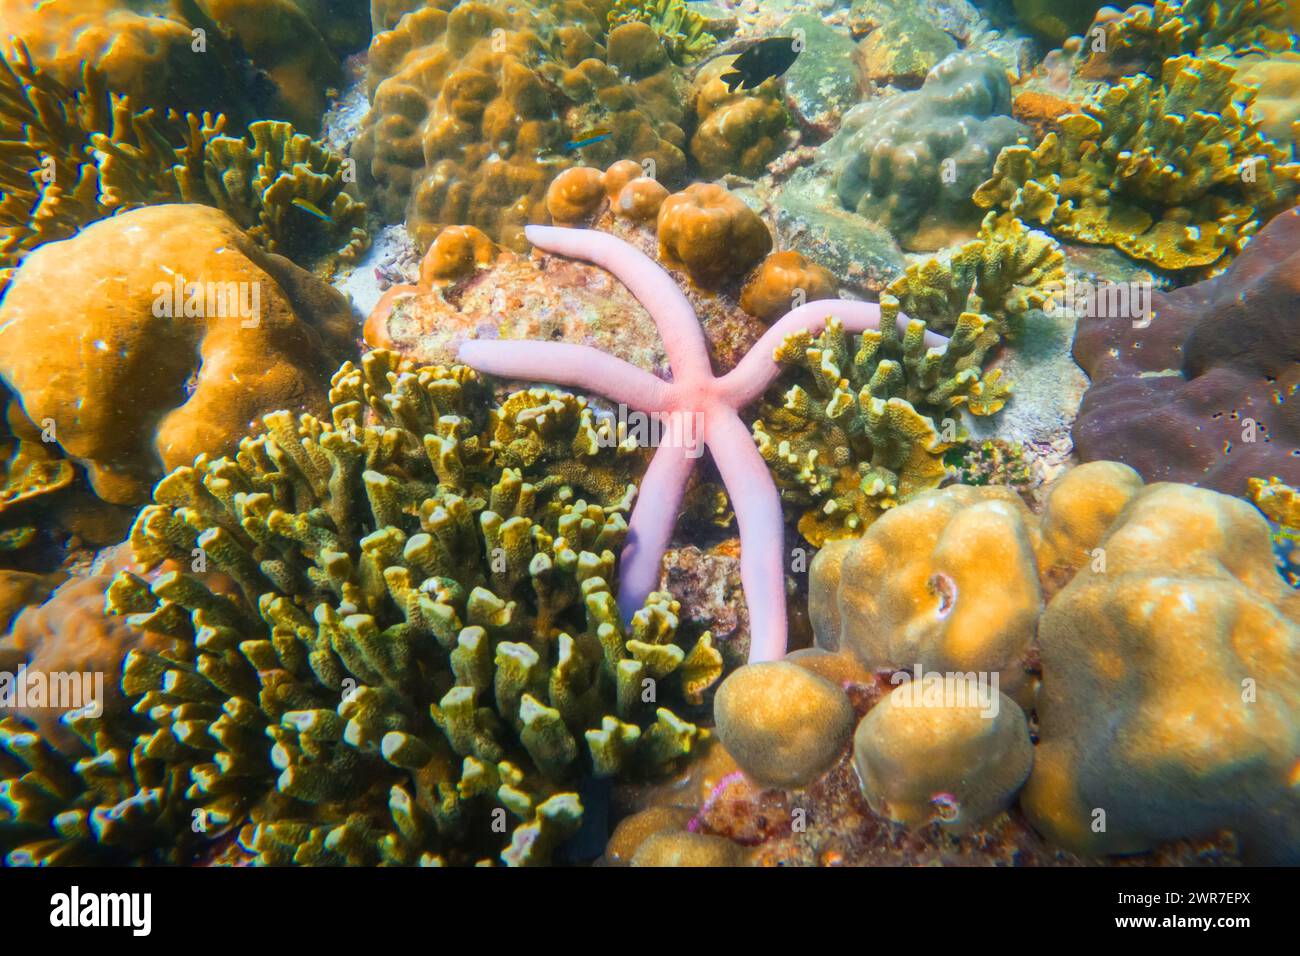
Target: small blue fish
<point>592,137</point>
<point>311,208</point>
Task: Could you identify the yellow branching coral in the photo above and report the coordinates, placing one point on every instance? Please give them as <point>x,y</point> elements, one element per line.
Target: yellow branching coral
<point>71,156</point>
<point>1142,37</point>
<point>418,659</point>
<point>849,441</point>
<point>998,277</point>
<point>1278,500</point>
<point>683,32</point>
<point>1174,172</point>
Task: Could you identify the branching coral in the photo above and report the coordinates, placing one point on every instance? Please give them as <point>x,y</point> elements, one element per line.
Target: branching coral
<point>1172,171</point>
<point>420,645</point>
<point>856,434</point>
<point>71,156</point>
<point>1142,37</point>
<point>683,32</point>
<point>696,406</point>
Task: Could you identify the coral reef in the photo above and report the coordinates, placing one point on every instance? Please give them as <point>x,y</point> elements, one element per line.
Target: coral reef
<point>782,724</point>
<point>857,433</point>
<point>912,161</point>
<point>1172,170</point>
<point>698,408</point>
<point>684,33</point>
<point>735,132</point>
<point>958,763</point>
<point>78,154</point>
<point>263,58</point>
<point>548,297</point>
<point>1177,715</point>
<point>474,107</point>
<point>1143,37</point>
<point>419,652</point>
<point>173,332</point>
<point>1206,393</point>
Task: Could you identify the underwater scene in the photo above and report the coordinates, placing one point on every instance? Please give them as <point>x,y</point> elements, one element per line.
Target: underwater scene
<point>650,433</point>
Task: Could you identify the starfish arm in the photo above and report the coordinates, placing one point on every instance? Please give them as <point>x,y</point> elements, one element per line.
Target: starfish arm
<point>758,369</point>
<point>762,532</point>
<point>577,366</point>
<point>653,287</point>
<point>651,528</point>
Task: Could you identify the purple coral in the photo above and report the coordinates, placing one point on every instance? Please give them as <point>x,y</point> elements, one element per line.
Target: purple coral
<point>694,390</point>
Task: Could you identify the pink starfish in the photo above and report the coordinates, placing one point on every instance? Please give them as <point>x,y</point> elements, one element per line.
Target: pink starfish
<point>693,389</point>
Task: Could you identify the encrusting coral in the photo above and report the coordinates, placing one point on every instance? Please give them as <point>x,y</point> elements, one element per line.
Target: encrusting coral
<point>476,107</point>
<point>1206,391</point>
<point>1172,170</point>
<point>912,161</point>
<point>419,655</point>
<point>174,330</point>
<point>71,156</point>
<point>857,433</point>
<point>695,408</point>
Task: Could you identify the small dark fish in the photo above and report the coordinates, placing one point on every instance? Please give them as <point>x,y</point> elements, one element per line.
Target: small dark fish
<point>310,208</point>
<point>765,59</point>
<point>593,136</point>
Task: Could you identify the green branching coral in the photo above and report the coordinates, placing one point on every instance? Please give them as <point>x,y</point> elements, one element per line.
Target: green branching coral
<point>415,658</point>
<point>991,283</point>
<point>1174,172</point>
<point>1144,36</point>
<point>683,32</point>
<point>857,432</point>
<point>70,157</point>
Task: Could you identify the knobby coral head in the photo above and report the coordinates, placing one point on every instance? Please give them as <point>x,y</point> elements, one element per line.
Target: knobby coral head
<point>694,390</point>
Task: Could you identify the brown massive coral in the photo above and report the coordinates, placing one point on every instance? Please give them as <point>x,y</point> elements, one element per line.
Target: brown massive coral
<point>172,330</point>
<point>1209,392</point>
<point>476,107</point>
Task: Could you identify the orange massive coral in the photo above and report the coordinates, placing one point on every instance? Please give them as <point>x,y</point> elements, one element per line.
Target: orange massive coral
<point>172,330</point>
<point>475,109</point>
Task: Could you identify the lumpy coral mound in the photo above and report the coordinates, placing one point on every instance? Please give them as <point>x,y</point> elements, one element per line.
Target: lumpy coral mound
<point>173,332</point>
<point>476,107</point>
<point>418,658</point>
<point>1207,392</point>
